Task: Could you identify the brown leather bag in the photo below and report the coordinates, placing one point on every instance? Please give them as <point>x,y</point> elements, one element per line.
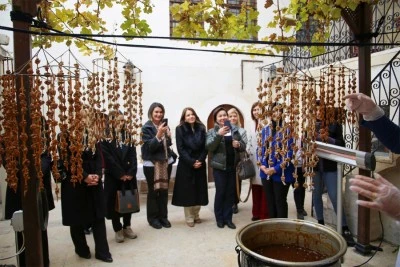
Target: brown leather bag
<point>127,201</point>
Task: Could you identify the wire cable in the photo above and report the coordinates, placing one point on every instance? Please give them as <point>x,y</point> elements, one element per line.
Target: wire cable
<point>19,251</point>
<point>86,37</point>
<point>378,247</point>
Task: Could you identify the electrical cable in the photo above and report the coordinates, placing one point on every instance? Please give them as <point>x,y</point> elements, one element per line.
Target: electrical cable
<point>19,251</point>
<point>80,36</point>
<point>86,37</point>
<point>378,247</point>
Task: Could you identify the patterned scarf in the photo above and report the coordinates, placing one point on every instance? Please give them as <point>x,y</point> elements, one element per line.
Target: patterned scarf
<point>161,171</point>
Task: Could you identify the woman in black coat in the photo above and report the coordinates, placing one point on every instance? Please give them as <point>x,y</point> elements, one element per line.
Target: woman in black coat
<point>157,165</point>
<point>120,163</point>
<point>13,199</point>
<point>82,204</point>
<point>190,189</point>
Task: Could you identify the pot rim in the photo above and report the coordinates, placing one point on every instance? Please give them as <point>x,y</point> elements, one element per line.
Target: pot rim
<point>327,261</point>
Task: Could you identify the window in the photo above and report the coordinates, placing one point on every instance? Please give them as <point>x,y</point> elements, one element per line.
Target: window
<point>304,35</point>
<point>234,6</point>
<point>173,23</point>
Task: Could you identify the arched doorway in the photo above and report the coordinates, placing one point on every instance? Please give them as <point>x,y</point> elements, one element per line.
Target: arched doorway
<point>210,125</point>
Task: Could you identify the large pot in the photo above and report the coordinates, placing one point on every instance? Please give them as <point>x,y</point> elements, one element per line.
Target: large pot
<point>304,234</point>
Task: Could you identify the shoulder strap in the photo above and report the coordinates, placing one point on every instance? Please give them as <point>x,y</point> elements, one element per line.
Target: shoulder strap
<point>237,189</point>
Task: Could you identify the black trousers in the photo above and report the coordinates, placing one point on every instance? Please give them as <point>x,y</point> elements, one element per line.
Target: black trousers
<point>224,194</point>
<point>156,201</point>
<point>100,238</point>
<point>276,193</point>
<point>116,223</point>
<point>299,193</point>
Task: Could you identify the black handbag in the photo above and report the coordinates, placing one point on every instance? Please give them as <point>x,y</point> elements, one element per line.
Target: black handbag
<point>245,168</point>
<point>127,201</point>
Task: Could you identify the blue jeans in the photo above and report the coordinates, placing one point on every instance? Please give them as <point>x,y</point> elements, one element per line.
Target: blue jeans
<point>329,180</point>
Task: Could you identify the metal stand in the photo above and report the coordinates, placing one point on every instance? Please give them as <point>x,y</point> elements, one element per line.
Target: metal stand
<point>339,210</point>
<point>342,155</point>
<point>366,250</point>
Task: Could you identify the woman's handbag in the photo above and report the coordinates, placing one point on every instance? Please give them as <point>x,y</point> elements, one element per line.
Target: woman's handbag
<point>245,168</point>
<point>127,201</point>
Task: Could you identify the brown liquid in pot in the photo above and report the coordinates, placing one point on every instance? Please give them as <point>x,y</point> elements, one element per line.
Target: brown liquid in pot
<point>290,253</point>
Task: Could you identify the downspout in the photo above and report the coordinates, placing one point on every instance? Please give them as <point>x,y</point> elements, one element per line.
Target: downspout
<point>242,65</point>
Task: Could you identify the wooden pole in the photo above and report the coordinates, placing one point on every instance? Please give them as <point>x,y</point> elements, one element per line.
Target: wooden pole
<point>364,78</point>
<point>22,54</point>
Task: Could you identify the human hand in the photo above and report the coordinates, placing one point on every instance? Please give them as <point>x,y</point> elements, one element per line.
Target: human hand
<point>92,179</point>
<point>270,171</point>
<point>223,130</point>
<point>124,178</point>
<point>364,105</point>
<point>267,171</point>
<point>384,195</point>
<point>235,143</point>
<point>162,130</point>
<point>197,164</point>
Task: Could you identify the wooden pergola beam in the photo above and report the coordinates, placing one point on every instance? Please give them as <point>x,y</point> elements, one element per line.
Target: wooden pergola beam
<point>30,207</point>
<point>360,22</point>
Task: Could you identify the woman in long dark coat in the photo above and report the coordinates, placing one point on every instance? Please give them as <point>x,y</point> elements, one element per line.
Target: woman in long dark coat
<point>13,199</point>
<point>120,165</point>
<point>82,204</point>
<point>190,189</point>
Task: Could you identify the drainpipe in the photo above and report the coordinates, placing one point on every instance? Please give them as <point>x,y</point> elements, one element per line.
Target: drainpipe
<point>241,68</point>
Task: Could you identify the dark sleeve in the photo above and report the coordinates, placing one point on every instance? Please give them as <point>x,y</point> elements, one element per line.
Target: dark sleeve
<point>113,166</point>
<point>387,132</point>
<point>337,138</point>
<point>183,153</point>
<point>133,161</point>
<point>150,140</point>
<point>243,140</point>
<point>204,153</point>
<point>99,161</point>
<point>213,140</point>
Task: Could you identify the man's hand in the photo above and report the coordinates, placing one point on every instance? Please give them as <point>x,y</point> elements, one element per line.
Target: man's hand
<point>384,195</point>
<point>364,105</point>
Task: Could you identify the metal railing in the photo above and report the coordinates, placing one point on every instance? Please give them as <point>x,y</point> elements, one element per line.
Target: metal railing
<point>389,33</point>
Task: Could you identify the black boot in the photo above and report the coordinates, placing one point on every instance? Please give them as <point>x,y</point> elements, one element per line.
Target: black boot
<point>348,236</point>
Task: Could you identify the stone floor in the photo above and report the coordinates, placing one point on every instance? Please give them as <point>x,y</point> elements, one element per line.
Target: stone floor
<point>179,246</point>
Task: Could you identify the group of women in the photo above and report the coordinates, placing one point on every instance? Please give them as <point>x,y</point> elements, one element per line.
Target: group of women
<point>115,164</point>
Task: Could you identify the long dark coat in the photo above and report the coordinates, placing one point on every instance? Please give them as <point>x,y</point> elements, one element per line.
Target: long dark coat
<point>118,161</point>
<point>13,199</point>
<point>190,184</point>
<point>82,204</point>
